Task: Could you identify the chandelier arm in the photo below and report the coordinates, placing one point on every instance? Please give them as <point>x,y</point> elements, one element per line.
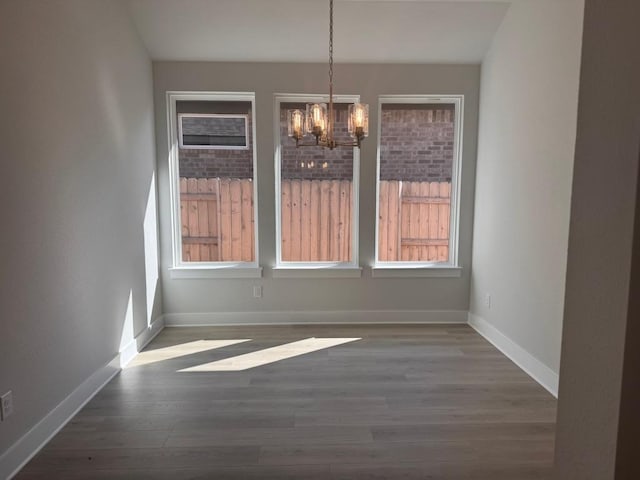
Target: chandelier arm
<point>325,144</point>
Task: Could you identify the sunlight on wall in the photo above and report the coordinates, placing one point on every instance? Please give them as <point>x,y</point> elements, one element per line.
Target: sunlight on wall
<point>150,227</point>
<point>269,355</point>
<point>181,350</point>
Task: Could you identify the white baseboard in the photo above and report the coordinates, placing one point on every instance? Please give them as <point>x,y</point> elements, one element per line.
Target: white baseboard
<point>30,444</point>
<point>24,449</point>
<point>129,352</point>
<point>315,317</point>
<point>518,355</point>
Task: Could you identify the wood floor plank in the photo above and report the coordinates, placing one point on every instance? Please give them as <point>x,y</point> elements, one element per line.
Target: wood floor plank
<point>402,402</point>
<point>334,435</point>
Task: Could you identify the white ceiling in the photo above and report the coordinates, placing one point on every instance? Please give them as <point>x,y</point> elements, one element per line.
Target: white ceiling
<point>389,31</point>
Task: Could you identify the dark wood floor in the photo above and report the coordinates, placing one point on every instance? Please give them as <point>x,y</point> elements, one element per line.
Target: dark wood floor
<point>403,402</point>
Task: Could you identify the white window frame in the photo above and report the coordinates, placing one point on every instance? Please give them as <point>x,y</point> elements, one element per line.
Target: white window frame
<point>179,268</point>
<point>285,269</point>
<point>451,268</point>
<point>213,147</point>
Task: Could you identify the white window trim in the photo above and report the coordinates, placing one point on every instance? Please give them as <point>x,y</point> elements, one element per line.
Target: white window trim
<point>180,269</point>
<point>213,147</point>
<point>284,269</point>
<point>419,269</point>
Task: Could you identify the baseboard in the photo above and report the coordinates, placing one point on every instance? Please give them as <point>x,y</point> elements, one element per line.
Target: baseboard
<point>518,355</point>
<point>24,449</point>
<point>30,444</point>
<point>315,317</point>
<point>129,352</point>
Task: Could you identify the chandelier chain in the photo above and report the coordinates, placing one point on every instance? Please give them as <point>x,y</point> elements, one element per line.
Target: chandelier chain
<point>331,43</point>
<point>331,118</point>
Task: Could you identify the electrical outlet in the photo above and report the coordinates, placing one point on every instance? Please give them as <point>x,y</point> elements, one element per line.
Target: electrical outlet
<point>6,405</point>
<point>487,300</point>
<point>257,292</point>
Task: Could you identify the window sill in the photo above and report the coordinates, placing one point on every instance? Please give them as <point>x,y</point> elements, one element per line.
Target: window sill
<point>216,271</point>
<point>408,271</point>
<point>320,271</point>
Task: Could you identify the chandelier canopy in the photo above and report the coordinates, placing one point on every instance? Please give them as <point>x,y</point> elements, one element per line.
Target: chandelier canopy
<point>319,119</point>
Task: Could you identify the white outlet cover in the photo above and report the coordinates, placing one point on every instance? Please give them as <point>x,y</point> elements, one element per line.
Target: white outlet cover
<point>257,292</point>
<point>487,300</point>
<point>6,404</point>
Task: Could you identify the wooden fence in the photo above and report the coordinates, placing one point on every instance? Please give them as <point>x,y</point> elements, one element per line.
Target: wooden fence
<point>316,220</point>
<point>413,222</point>
<point>217,219</point>
<point>218,225</point>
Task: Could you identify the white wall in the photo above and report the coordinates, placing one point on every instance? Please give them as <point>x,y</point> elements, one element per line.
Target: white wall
<point>598,418</point>
<point>77,164</point>
<point>528,108</point>
<point>360,299</point>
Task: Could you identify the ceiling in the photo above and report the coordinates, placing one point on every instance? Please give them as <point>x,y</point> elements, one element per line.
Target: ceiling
<point>386,31</point>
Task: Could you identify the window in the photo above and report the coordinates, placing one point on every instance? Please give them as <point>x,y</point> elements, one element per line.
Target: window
<point>227,132</point>
<point>419,155</point>
<point>316,194</point>
<point>212,165</point>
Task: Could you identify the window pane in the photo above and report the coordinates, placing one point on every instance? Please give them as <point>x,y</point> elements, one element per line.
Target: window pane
<point>216,184</point>
<point>213,131</point>
<point>316,195</point>
<point>416,163</point>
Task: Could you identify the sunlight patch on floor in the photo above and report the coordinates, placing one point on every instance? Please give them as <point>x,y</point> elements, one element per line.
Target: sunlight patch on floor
<point>269,355</point>
<point>175,351</point>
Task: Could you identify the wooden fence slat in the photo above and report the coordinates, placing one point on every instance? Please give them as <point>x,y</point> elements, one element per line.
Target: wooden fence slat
<point>285,219</point>
<point>314,220</point>
<point>345,221</point>
<point>444,215</point>
<point>414,225</point>
<point>405,223</point>
<point>424,221</point>
<point>205,196</point>
<point>192,187</point>
<point>236,221</point>
<point>246,228</point>
<point>325,194</point>
<point>334,221</point>
<point>225,220</point>
<point>383,222</point>
<point>212,211</point>
<point>200,241</point>
<point>184,220</point>
<point>305,218</point>
<point>296,221</point>
<point>422,199</point>
<point>419,242</point>
<point>394,221</point>
<point>434,191</point>
<point>203,221</point>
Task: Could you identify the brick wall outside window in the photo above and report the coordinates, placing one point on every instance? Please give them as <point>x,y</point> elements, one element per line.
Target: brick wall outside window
<point>416,143</point>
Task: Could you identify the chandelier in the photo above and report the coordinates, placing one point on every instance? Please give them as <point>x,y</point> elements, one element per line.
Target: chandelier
<point>319,121</point>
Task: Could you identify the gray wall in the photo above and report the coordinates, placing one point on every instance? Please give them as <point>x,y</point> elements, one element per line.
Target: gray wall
<point>601,305</point>
<point>77,162</point>
<point>526,143</point>
<point>211,295</point>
